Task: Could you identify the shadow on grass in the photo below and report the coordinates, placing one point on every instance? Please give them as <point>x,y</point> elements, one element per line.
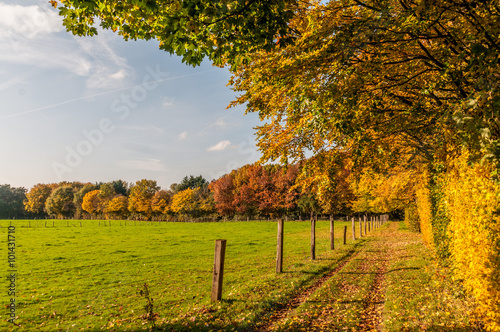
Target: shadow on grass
<point>445,329</point>
<point>403,269</point>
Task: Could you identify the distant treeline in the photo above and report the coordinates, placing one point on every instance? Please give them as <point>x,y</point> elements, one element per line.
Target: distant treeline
<point>252,191</point>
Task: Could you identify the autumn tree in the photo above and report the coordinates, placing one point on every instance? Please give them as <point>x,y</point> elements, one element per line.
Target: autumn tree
<point>117,207</point>
<point>91,202</point>
<point>205,202</point>
<point>390,79</point>
<point>328,177</point>
<point>184,203</point>
<point>160,201</point>
<point>246,190</point>
<point>223,194</point>
<point>78,198</point>
<point>36,198</point>
<point>140,197</point>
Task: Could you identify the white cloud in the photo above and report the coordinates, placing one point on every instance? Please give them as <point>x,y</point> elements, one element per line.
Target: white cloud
<point>220,123</point>
<point>222,145</point>
<point>27,21</point>
<point>33,36</point>
<point>183,135</point>
<point>142,164</point>
<point>167,102</point>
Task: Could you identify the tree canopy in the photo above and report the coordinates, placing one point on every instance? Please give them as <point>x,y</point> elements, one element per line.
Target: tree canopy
<point>378,78</point>
<point>223,31</point>
<point>392,79</point>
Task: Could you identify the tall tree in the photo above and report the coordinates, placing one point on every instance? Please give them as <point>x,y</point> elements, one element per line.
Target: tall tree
<point>191,182</point>
<point>184,203</point>
<point>140,197</point>
<point>117,207</point>
<point>36,198</point>
<point>160,201</point>
<point>11,201</point>
<point>60,202</point>
<point>223,190</point>
<point>78,198</point>
<point>91,202</point>
<point>120,187</point>
<point>390,79</point>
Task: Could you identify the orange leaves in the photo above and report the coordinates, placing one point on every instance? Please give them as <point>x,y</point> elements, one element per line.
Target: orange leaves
<point>92,202</point>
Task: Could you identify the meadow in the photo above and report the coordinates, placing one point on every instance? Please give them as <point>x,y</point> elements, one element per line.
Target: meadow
<point>88,275</point>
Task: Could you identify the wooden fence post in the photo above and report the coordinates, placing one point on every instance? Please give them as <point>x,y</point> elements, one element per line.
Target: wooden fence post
<point>364,220</point>
<point>332,233</point>
<point>279,249</point>
<point>345,234</point>
<point>220,252</point>
<point>353,229</point>
<point>313,237</point>
<point>360,228</point>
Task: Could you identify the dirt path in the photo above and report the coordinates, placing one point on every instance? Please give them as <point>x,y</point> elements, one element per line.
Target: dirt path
<point>387,283</point>
<point>361,273</point>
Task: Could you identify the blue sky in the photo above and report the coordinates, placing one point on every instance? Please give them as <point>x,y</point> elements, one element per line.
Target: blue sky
<point>99,109</point>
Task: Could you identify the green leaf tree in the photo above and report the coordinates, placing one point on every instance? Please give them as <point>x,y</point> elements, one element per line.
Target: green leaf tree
<point>11,201</point>
<point>60,202</point>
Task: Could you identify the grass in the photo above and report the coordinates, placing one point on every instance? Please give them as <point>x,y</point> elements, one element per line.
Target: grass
<point>89,277</point>
<point>421,295</point>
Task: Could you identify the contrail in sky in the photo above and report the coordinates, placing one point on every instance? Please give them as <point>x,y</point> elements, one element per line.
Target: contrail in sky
<point>96,95</point>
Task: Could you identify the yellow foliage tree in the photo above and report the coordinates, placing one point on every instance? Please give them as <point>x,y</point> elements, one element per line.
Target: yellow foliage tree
<point>92,202</point>
<point>140,197</point>
<point>37,196</point>
<point>183,203</point>
<point>117,207</point>
<point>160,201</point>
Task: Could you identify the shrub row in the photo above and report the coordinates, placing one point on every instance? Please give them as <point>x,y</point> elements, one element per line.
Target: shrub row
<point>459,214</point>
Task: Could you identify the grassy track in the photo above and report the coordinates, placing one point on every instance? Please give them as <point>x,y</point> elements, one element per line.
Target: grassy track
<point>87,278</point>
<point>390,284</point>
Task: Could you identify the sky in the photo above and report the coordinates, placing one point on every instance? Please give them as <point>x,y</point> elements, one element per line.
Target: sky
<point>95,109</point>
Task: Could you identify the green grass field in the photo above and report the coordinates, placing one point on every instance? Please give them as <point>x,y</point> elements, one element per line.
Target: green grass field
<point>88,277</point>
